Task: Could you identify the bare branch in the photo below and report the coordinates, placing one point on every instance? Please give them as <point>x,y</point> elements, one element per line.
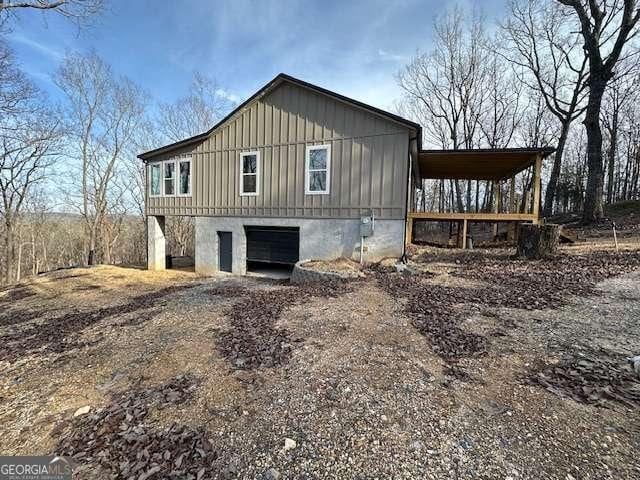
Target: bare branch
<point>79,12</point>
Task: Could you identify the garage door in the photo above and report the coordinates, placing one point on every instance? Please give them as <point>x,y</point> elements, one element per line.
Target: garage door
<point>273,244</point>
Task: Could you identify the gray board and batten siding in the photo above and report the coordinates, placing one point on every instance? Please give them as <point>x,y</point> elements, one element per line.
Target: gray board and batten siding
<point>369,160</point>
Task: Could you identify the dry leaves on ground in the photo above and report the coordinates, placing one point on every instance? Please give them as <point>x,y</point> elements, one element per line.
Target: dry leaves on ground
<point>437,310</point>
<point>593,377</point>
<point>63,332</point>
<point>546,283</point>
<point>118,439</point>
<point>254,341</point>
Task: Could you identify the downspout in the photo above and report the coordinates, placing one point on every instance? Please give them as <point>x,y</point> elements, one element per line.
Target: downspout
<point>403,258</point>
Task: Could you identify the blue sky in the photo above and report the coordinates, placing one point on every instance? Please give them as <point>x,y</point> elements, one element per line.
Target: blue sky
<point>352,47</point>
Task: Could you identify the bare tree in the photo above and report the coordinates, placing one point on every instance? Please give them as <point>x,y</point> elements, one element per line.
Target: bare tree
<point>442,87</point>
<point>606,26</point>
<point>38,213</point>
<point>445,88</point>
<point>197,112</point>
<point>103,114</point>
<point>204,105</point>
<point>78,11</point>
<point>629,133</point>
<point>29,142</point>
<point>619,94</point>
<point>16,90</point>
<point>540,41</point>
<point>537,128</point>
<point>504,108</point>
<point>146,137</point>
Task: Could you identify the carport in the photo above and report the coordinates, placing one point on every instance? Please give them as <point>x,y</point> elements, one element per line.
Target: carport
<point>496,165</point>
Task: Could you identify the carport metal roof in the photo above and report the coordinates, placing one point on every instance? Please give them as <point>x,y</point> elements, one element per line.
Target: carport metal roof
<point>478,164</point>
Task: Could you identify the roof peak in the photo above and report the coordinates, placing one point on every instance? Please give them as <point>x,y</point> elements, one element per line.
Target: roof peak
<point>265,88</point>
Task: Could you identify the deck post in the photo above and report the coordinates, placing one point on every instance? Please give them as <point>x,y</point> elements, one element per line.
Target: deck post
<point>537,169</point>
<point>496,205</point>
<point>409,230</point>
<point>511,229</point>
<point>464,234</point>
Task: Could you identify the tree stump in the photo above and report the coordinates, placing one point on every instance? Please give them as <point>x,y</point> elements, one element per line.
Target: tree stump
<point>537,241</point>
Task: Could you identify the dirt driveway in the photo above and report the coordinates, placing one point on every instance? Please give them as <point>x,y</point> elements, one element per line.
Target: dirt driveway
<point>243,378</point>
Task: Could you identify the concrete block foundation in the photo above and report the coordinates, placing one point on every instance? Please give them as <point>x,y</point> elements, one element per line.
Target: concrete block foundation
<point>320,239</point>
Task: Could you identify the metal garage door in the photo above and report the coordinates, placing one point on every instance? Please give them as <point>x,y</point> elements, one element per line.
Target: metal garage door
<point>279,245</point>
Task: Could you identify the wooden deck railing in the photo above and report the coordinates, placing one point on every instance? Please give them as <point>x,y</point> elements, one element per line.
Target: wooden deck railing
<point>465,218</point>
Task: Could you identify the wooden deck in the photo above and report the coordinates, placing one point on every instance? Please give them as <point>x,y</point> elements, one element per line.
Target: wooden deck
<point>465,219</point>
<point>477,164</point>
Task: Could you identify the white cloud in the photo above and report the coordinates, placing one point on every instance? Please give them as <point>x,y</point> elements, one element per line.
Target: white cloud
<point>46,50</point>
<point>227,95</point>
<point>395,57</point>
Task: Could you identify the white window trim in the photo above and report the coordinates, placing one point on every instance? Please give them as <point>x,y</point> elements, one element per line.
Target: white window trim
<point>307,175</point>
<point>174,179</point>
<point>180,160</point>
<point>156,195</point>
<point>242,174</point>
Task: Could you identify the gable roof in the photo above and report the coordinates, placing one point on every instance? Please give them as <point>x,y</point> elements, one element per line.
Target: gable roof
<point>279,79</point>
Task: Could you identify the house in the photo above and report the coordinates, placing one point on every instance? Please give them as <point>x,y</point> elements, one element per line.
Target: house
<point>300,172</point>
<point>290,174</point>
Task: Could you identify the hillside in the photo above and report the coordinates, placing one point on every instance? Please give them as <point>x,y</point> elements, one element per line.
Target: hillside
<point>475,366</point>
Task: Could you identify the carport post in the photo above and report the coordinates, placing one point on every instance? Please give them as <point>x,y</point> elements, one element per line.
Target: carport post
<point>464,233</point>
<point>536,189</point>
<point>496,205</point>
<point>409,230</point>
<point>511,229</point>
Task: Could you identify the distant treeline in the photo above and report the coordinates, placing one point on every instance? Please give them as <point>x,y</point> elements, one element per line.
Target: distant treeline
<point>49,241</point>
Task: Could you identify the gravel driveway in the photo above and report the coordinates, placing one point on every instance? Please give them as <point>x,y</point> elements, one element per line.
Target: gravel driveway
<point>246,378</point>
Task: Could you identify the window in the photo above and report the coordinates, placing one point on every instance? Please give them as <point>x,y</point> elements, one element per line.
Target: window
<point>184,177</point>
<point>154,179</point>
<point>318,166</point>
<point>249,171</point>
<point>170,178</point>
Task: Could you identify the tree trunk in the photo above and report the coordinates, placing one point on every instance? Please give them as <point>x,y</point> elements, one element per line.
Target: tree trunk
<point>459,202</point>
<point>19,261</point>
<point>34,259</point>
<point>537,241</point>
<point>452,202</point>
<point>44,257</point>
<point>477,209</point>
<point>593,210</point>
<point>552,186</point>
<point>9,245</point>
<point>611,157</point>
<point>91,257</point>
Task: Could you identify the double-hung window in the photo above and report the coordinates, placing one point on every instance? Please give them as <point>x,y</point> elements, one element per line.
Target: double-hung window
<point>318,169</point>
<point>249,173</point>
<point>184,176</point>
<point>155,171</point>
<point>169,177</point>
